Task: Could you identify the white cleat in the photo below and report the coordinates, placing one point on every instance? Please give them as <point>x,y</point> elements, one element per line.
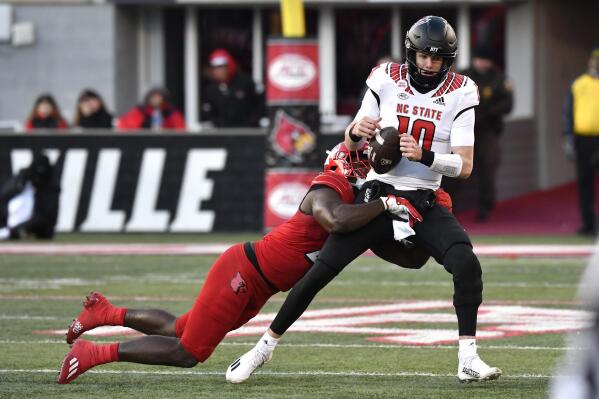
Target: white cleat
<point>241,369</point>
<point>474,369</point>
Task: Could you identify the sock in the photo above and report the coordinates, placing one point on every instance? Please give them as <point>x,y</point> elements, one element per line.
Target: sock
<point>4,233</point>
<point>106,353</point>
<point>267,344</point>
<point>467,348</point>
<point>115,316</point>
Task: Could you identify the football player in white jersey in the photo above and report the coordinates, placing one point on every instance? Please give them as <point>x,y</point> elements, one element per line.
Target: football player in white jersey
<point>432,109</point>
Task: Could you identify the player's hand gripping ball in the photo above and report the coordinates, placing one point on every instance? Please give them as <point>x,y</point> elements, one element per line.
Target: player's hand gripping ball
<point>384,150</point>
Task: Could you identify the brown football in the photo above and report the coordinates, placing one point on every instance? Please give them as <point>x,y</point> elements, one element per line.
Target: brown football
<point>384,150</point>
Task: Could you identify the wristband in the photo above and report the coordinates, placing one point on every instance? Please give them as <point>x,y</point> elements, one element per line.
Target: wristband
<point>353,137</point>
<point>428,157</point>
<point>447,164</point>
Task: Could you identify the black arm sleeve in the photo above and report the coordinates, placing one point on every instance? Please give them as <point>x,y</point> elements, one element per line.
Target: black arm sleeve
<point>337,252</point>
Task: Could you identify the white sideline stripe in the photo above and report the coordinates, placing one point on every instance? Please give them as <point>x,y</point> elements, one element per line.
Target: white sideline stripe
<point>341,346</point>
<point>315,373</point>
<point>218,248</point>
<point>27,317</point>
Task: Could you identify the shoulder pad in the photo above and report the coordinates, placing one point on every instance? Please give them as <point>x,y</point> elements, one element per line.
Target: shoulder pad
<point>470,97</point>
<point>378,75</point>
<point>336,182</point>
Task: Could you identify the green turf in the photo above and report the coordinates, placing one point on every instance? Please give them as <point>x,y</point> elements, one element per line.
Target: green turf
<point>44,292</point>
<point>222,237</point>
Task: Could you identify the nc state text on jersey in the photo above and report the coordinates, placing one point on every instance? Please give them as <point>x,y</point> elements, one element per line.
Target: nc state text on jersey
<point>422,112</point>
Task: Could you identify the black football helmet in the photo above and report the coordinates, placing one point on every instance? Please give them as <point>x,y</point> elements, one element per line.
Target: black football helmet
<point>435,36</point>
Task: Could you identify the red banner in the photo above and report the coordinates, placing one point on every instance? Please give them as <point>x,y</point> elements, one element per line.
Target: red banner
<point>283,193</point>
<point>292,72</point>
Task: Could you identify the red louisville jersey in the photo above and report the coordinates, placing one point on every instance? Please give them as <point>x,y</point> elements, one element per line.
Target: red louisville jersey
<point>287,252</point>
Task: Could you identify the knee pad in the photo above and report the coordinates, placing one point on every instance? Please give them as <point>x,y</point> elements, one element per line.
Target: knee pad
<point>463,264</point>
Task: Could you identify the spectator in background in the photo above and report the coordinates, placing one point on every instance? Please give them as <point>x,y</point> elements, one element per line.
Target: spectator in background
<point>156,113</point>
<point>230,99</point>
<point>91,111</point>
<point>581,129</point>
<point>45,114</point>
<point>29,201</point>
<point>496,101</point>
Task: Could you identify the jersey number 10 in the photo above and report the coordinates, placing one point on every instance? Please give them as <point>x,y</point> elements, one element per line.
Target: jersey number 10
<point>418,127</point>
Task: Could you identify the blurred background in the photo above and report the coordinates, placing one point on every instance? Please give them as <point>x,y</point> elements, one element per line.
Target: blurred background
<point>129,126</point>
<point>202,115</point>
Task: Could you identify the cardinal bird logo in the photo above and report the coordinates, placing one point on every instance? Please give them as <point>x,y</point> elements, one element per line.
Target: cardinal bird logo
<point>291,138</point>
<point>238,284</point>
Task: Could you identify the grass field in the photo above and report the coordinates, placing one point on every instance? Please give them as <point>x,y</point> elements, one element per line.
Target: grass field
<point>45,292</point>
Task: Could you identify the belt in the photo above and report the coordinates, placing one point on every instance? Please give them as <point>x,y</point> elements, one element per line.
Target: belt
<point>248,248</point>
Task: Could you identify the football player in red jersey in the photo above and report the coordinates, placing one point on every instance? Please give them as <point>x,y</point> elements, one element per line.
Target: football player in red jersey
<point>242,279</point>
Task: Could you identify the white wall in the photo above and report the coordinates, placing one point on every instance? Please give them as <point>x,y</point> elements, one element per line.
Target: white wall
<point>519,49</point>
<point>74,49</point>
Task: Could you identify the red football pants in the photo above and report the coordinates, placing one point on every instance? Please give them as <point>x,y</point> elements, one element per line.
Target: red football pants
<point>232,294</point>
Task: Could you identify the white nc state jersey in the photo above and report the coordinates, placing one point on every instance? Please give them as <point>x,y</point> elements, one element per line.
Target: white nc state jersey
<point>439,119</point>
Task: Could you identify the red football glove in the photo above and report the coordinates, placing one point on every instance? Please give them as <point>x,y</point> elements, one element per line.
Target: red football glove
<point>443,199</point>
<point>401,207</point>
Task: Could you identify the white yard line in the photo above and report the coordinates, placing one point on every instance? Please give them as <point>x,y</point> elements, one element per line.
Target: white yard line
<point>13,284</point>
<point>315,373</point>
<point>509,251</point>
<point>27,317</point>
<point>343,300</point>
<point>337,346</point>
<point>450,284</point>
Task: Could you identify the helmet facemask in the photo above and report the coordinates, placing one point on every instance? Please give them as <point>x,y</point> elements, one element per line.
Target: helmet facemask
<point>424,81</point>
<point>353,165</point>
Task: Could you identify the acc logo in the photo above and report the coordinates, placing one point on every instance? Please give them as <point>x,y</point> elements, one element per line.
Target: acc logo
<point>403,96</point>
<point>285,198</point>
<point>292,72</point>
<point>291,138</point>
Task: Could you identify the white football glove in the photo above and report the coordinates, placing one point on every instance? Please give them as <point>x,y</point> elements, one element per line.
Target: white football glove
<point>401,208</point>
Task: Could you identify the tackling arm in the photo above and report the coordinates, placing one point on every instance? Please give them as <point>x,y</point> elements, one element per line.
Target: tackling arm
<point>335,216</point>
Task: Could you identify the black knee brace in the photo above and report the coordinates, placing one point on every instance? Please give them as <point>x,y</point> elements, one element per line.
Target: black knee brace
<point>461,262</point>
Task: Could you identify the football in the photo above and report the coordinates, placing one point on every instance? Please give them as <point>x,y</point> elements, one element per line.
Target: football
<point>384,151</point>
